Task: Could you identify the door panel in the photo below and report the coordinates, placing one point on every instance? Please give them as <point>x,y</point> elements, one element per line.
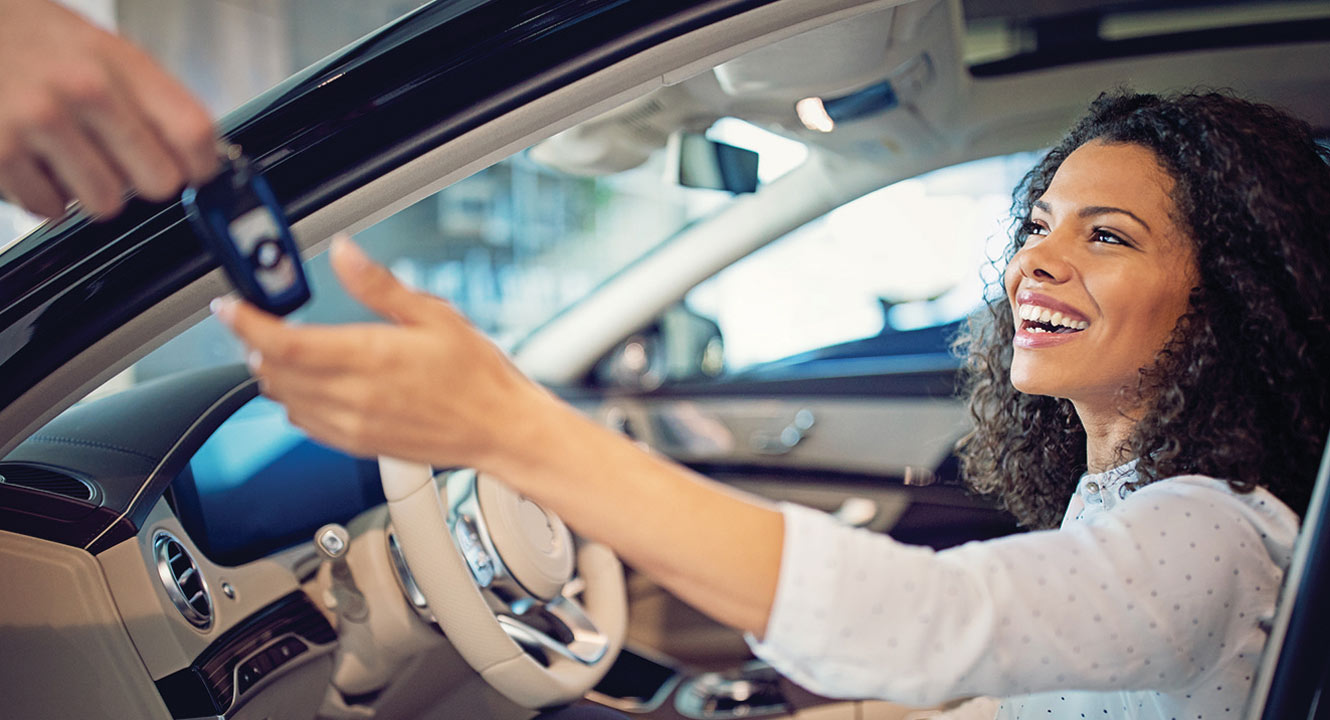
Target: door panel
<point>880,461</point>
<point>889,437</point>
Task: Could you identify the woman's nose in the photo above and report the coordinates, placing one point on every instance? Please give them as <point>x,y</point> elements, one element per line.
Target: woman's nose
<point>1044,260</point>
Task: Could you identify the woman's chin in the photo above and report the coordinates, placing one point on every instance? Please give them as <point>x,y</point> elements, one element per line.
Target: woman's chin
<point>1031,384</point>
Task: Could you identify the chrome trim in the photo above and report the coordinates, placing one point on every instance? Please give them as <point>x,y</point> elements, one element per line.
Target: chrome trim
<point>782,442</point>
<point>464,510</point>
<point>161,542</point>
<point>405,580</point>
<point>589,644</point>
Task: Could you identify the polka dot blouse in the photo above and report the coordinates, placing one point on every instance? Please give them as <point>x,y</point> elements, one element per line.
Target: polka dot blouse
<point>1145,604</point>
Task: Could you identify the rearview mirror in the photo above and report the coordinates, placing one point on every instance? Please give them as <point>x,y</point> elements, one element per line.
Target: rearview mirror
<point>698,162</point>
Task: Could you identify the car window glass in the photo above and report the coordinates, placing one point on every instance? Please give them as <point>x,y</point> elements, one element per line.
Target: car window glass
<point>515,243</point>
<point>510,246</point>
<point>909,256</point>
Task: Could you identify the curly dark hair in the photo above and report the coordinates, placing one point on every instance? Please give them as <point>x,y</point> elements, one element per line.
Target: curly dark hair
<point>1238,391</point>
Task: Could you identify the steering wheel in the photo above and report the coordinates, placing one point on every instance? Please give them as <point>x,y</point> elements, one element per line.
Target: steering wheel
<point>497,572</point>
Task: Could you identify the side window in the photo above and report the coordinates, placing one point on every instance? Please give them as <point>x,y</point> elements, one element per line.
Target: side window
<point>911,256</point>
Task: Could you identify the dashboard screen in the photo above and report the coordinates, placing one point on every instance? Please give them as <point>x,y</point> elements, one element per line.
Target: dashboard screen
<point>259,484</point>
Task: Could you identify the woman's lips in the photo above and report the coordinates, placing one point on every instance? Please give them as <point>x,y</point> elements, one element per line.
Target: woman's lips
<point>1028,297</point>
<point>1026,338</point>
<point>1042,321</point>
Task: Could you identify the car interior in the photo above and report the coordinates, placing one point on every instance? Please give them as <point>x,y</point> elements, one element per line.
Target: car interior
<point>657,243</point>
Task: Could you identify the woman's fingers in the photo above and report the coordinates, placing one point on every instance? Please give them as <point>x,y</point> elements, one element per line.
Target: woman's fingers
<point>375,287</point>
<point>393,406</point>
<point>431,388</point>
<point>328,407</point>
<point>307,347</point>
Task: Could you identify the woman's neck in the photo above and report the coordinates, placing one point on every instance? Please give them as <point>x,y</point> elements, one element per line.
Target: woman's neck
<point>1106,431</point>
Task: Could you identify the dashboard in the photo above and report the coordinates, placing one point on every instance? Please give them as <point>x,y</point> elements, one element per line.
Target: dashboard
<point>184,511</point>
<point>258,485</point>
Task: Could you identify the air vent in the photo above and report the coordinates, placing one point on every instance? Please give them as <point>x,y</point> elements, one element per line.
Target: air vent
<point>46,480</point>
<point>182,579</point>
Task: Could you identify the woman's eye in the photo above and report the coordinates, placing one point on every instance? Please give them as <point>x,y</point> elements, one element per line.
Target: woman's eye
<point>1105,236</point>
<point>1030,227</point>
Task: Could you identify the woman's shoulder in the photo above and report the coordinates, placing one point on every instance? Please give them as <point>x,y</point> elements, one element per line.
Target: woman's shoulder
<point>1218,502</point>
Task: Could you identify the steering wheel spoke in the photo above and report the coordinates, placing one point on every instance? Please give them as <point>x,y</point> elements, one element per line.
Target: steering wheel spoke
<point>511,562</point>
<point>561,626</point>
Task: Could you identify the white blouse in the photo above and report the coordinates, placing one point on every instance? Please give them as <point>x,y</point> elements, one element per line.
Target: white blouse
<point>1146,604</point>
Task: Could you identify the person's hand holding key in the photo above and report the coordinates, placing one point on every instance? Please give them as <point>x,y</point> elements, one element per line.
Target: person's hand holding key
<point>88,116</point>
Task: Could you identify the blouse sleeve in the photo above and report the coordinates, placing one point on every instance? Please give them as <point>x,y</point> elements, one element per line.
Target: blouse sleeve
<point>1150,595</point>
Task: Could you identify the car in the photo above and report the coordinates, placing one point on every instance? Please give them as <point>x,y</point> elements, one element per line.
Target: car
<point>579,179</point>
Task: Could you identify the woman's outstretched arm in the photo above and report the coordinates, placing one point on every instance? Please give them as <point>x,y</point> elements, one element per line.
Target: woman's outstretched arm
<point>429,387</point>
<point>713,547</point>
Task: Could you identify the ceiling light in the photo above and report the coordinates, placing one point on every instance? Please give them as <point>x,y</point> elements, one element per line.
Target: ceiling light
<point>814,115</point>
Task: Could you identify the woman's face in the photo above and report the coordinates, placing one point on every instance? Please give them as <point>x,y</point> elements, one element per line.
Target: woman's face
<point>1103,277</point>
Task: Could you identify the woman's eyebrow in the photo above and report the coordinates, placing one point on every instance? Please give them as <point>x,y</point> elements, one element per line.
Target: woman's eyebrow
<point>1093,210</point>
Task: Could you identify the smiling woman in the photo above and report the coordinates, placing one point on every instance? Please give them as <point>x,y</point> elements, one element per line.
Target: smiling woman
<point>1112,272</point>
<point>1198,229</point>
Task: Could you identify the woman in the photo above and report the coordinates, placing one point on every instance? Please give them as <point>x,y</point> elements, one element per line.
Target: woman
<point>1150,360</point>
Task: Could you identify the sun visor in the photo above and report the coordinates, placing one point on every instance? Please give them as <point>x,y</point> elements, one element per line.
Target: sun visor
<point>625,137</point>
<point>829,59</point>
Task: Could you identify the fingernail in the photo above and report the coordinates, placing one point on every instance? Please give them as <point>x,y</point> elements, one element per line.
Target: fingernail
<point>224,308</point>
<point>254,360</point>
<point>350,253</point>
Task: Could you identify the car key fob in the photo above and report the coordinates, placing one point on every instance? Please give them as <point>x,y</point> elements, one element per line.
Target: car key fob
<point>239,219</point>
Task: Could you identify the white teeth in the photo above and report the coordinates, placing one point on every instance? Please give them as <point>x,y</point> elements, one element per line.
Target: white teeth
<point>1046,316</point>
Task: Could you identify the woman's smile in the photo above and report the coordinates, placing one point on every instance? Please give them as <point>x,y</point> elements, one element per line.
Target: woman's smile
<point>1043,321</point>
<point>1102,278</point>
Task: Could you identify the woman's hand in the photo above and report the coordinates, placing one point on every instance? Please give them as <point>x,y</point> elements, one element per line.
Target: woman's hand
<point>86,115</point>
<point>427,387</point>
